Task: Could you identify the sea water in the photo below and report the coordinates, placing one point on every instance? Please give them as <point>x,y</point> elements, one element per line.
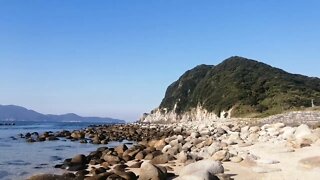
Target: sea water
<point>19,159</point>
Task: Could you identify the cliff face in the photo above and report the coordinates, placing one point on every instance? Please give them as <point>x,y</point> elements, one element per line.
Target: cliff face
<point>237,87</point>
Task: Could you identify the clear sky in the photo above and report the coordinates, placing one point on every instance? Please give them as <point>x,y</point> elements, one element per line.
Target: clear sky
<point>116,57</point>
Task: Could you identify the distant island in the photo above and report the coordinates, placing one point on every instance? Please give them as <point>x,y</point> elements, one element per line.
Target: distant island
<point>18,113</point>
<point>236,88</point>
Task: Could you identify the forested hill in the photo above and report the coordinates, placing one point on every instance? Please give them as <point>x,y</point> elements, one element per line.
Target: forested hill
<point>250,87</point>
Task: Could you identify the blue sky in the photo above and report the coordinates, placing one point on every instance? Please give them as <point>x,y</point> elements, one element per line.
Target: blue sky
<point>116,58</point>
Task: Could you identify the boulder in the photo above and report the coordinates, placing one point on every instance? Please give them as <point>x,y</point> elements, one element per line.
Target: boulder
<point>139,156</point>
<point>111,159</point>
<point>77,135</point>
<point>121,149</point>
<point>220,131</point>
<point>187,146</point>
<point>287,132</point>
<point>195,135</point>
<point>79,159</point>
<point>136,165</point>
<point>160,159</point>
<point>234,138</point>
<point>182,157</point>
<point>126,175</point>
<point>301,131</point>
<point>222,155</point>
<point>236,159</point>
<point>254,129</point>
<point>76,167</point>
<point>174,142</point>
<point>149,171</point>
<point>213,148</point>
<point>203,168</point>
<point>160,144</point>
<point>120,167</point>
<point>166,148</point>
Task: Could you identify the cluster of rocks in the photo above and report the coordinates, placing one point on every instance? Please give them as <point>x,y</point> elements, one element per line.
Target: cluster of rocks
<point>104,134</point>
<point>7,124</point>
<point>184,151</point>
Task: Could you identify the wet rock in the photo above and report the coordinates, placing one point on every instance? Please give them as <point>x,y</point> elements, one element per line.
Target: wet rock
<point>30,140</point>
<point>77,135</point>
<point>76,167</point>
<point>83,141</point>
<point>79,159</point>
<point>52,138</point>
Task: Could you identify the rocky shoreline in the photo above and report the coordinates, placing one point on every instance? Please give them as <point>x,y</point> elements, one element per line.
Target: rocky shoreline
<point>192,150</point>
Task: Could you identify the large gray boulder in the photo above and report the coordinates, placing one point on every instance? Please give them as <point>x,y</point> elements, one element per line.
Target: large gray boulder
<point>204,170</point>
<point>79,159</point>
<point>149,171</point>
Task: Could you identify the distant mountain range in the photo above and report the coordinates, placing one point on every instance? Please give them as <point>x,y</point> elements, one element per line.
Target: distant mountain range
<point>18,113</point>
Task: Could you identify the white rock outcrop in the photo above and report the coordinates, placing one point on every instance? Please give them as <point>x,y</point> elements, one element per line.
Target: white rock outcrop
<point>196,114</point>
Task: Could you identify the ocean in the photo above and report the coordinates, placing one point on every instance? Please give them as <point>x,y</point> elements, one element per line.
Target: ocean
<point>20,160</point>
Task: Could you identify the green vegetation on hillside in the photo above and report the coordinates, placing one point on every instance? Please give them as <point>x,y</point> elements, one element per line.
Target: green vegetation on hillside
<point>250,87</point>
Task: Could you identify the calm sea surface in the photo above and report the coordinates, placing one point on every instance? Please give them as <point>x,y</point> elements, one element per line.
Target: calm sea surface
<point>19,160</point>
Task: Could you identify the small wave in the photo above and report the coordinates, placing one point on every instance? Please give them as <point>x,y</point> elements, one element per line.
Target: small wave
<point>17,163</point>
